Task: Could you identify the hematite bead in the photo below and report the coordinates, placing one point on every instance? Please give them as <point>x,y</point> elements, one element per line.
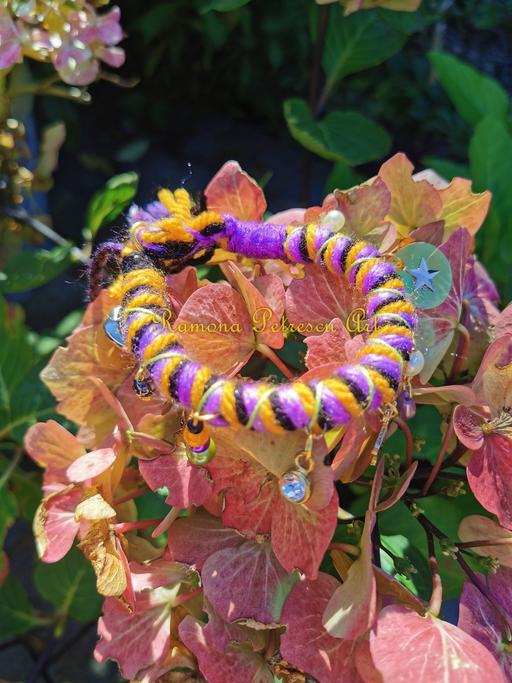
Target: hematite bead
<point>295,486</point>
<point>143,385</point>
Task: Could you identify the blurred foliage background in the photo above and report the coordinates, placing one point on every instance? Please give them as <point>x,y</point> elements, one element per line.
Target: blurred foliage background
<point>306,99</point>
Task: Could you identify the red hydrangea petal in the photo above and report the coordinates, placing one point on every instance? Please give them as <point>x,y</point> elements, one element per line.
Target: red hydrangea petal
<point>239,663</point>
<point>136,640</point>
<point>193,539</point>
<point>247,584</point>
<point>188,485</point>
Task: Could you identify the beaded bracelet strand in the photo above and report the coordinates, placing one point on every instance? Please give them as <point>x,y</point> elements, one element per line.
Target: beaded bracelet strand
<point>182,236</point>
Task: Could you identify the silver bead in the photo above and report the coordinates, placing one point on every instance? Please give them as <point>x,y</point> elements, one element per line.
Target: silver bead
<point>415,364</point>
<point>333,220</point>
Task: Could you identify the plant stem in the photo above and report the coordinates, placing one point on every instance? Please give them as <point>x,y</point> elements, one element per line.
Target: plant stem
<point>166,522</point>
<point>123,527</point>
<point>346,548</point>
<point>436,598</point>
<point>18,454</point>
<point>461,352</point>
<point>23,216</point>
<point>409,442</point>
<point>439,459</point>
<point>455,456</point>
<point>321,32</point>
<point>130,496</point>
<point>376,542</point>
<point>484,543</point>
<point>272,356</point>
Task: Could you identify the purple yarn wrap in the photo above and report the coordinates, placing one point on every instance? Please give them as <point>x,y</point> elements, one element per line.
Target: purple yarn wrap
<point>255,240</point>
<point>376,273</point>
<point>292,406</point>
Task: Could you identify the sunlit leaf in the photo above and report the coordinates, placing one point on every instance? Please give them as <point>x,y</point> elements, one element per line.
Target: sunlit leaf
<point>413,203</point>
<point>473,94</point>
<point>341,136</point>
<point>32,268</point>
<point>352,609</point>
<point>107,203</point>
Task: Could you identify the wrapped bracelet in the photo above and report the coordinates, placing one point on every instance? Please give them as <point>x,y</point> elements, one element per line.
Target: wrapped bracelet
<point>187,236</point>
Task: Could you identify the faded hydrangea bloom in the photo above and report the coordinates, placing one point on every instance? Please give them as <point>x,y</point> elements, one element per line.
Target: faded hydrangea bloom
<point>71,35</point>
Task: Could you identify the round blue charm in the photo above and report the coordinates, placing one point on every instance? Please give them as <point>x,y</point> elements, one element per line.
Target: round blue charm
<point>295,486</point>
<point>427,274</point>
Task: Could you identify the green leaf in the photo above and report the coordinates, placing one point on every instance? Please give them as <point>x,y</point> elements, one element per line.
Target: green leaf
<point>357,42</point>
<point>23,397</point>
<point>29,269</point>
<point>133,151</point>
<point>473,94</point>
<point>70,585</point>
<point>490,155</point>
<point>8,512</point>
<point>405,537</point>
<point>24,493</point>
<point>342,177</point>
<point>446,168</point>
<point>107,203</point>
<point>221,5</point>
<point>16,614</point>
<point>341,136</point>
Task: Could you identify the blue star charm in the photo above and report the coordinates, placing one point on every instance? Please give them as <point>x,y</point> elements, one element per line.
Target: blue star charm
<point>427,274</point>
<point>423,276</point>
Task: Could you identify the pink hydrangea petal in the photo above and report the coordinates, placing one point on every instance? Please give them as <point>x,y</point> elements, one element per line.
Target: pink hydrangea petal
<point>479,620</point>
<point>402,635</point>
<point>489,475</point>
<point>55,526</point>
<point>468,427</point>
<point>109,27</point>
<point>352,609</point>
<point>91,465</point>
<point>306,644</point>
<point>113,56</point>
<point>76,65</point>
